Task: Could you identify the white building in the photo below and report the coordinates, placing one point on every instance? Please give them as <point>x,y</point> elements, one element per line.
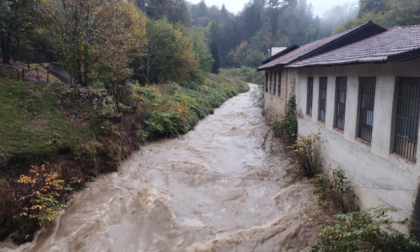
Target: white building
<point>364,100</point>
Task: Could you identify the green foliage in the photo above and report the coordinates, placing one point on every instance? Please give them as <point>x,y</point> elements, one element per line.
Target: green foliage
<point>169,56</point>
<point>19,21</point>
<point>171,110</point>
<point>337,189</point>
<point>247,74</point>
<point>386,13</point>
<point>305,157</point>
<point>364,231</point>
<point>35,119</point>
<point>79,41</point>
<point>289,125</point>
<point>215,54</point>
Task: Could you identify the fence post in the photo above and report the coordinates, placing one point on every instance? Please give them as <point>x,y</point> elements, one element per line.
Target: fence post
<point>23,74</point>
<point>48,74</point>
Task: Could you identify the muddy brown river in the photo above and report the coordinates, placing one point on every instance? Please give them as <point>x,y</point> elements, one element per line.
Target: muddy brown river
<point>213,189</point>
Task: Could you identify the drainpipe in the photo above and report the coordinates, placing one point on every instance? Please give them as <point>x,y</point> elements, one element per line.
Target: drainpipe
<point>287,83</point>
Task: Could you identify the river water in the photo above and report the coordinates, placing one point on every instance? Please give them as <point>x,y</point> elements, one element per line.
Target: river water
<point>213,189</point>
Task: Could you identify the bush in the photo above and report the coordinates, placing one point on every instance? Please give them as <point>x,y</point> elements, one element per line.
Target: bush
<point>337,189</point>
<point>364,231</point>
<point>305,157</point>
<point>46,191</point>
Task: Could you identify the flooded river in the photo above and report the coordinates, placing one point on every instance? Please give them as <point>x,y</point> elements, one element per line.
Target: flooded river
<point>213,189</point>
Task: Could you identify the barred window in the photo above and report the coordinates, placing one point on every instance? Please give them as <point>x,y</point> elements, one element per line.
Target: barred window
<point>309,97</point>
<point>275,82</point>
<point>340,102</point>
<point>407,118</point>
<point>266,82</point>
<point>279,84</point>
<point>322,98</point>
<point>366,107</point>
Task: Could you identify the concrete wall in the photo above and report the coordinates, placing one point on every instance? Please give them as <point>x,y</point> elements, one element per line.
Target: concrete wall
<point>370,166</point>
<point>59,72</point>
<point>275,106</point>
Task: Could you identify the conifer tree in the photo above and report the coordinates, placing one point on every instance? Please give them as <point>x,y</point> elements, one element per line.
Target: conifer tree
<point>215,54</point>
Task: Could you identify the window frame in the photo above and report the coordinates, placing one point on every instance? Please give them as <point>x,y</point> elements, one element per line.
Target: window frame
<point>364,130</point>
<point>310,96</point>
<point>400,147</point>
<point>266,81</point>
<point>320,98</point>
<point>279,84</point>
<point>337,103</point>
<point>275,82</point>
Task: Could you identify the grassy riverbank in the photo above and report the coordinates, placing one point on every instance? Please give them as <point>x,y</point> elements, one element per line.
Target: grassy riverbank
<point>82,133</point>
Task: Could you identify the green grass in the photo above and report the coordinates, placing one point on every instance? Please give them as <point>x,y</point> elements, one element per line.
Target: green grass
<point>36,119</point>
<point>171,110</point>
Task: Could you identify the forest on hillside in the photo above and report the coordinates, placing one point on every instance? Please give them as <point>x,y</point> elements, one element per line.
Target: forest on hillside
<point>159,41</point>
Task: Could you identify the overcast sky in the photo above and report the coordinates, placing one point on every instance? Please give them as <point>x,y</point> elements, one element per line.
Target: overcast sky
<point>320,6</point>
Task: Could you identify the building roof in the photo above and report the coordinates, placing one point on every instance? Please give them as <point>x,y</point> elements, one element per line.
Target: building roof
<point>324,45</point>
<point>397,44</point>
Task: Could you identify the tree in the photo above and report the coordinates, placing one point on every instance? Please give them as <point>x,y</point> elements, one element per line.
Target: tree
<point>169,56</point>
<point>215,54</point>
<point>96,39</point>
<point>18,21</point>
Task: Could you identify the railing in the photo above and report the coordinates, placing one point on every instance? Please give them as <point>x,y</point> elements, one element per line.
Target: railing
<point>20,73</point>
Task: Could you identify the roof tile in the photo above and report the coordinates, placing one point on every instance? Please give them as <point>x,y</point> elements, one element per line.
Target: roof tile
<point>374,49</point>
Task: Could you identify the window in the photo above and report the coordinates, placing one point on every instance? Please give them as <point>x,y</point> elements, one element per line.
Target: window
<point>275,82</point>
<point>407,118</point>
<point>322,98</point>
<point>266,82</point>
<point>366,104</point>
<point>309,97</point>
<point>340,102</point>
<point>271,81</point>
<point>279,84</point>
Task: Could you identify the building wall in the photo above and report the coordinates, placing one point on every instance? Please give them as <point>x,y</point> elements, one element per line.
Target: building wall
<point>369,166</point>
<point>275,106</point>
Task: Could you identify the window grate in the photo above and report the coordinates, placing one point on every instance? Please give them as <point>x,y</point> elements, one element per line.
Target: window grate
<point>275,82</point>
<point>322,98</point>
<point>279,84</point>
<point>340,102</point>
<point>266,82</point>
<point>407,118</point>
<point>309,98</point>
<point>366,107</point>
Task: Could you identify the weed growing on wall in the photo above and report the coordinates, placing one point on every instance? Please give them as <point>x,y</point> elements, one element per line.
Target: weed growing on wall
<point>364,231</point>
<point>305,157</point>
<point>337,189</point>
<point>287,128</point>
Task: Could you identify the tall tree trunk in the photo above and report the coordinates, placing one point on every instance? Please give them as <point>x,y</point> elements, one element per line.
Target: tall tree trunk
<point>5,47</point>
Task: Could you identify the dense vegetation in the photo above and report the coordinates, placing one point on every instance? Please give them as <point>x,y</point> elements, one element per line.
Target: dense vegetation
<point>387,13</point>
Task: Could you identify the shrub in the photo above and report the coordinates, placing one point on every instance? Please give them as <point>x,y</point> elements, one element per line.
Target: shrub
<point>287,128</point>
<point>364,231</point>
<point>46,190</point>
<point>305,157</point>
<point>337,189</point>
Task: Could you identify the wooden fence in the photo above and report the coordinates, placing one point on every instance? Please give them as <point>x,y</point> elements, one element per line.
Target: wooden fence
<point>24,74</point>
